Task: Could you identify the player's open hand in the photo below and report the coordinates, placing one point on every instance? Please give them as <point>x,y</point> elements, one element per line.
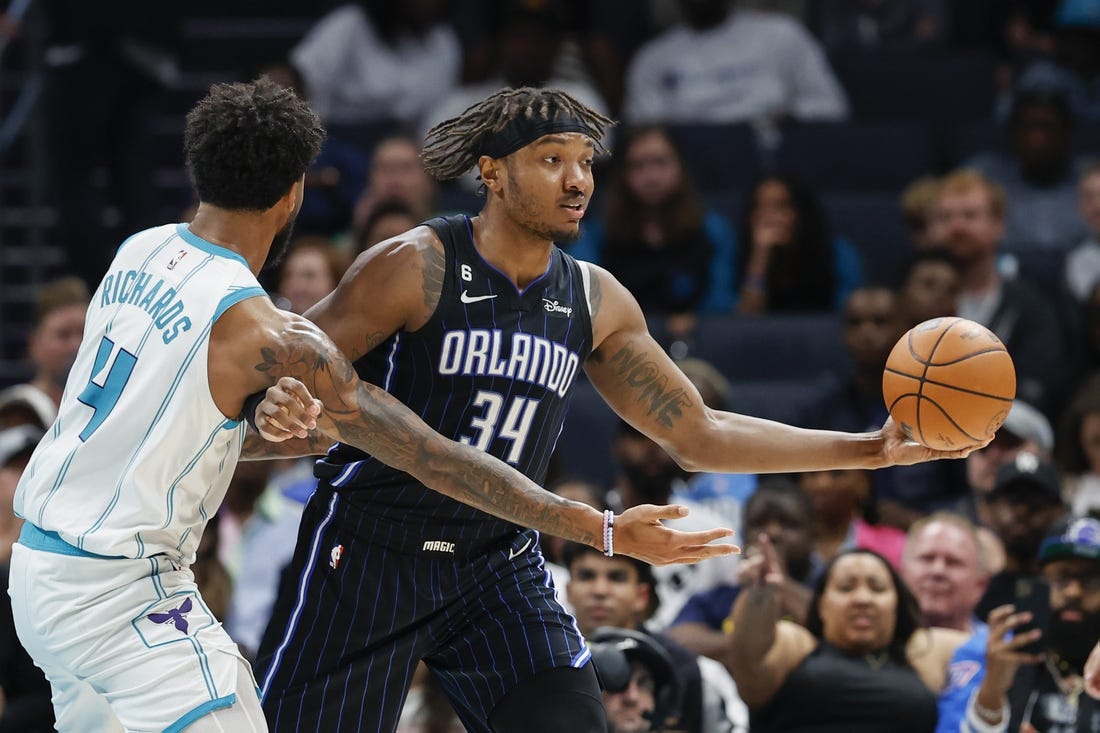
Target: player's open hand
<point>640,534</point>
<point>287,411</point>
<point>899,450</point>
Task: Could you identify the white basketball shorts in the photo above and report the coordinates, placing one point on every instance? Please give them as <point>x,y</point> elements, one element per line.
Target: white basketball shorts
<point>132,633</point>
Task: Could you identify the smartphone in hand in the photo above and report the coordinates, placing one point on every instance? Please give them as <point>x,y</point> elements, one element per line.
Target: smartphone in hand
<point>1038,604</point>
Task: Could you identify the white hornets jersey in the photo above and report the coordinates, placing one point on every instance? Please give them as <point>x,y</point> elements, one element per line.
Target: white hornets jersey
<point>139,457</point>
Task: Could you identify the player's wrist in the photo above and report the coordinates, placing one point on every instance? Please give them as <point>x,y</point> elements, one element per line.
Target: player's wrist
<point>871,449</point>
<point>608,533</point>
<point>588,524</point>
<point>248,411</point>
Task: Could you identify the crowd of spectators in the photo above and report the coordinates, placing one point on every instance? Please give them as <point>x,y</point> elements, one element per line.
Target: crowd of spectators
<point>897,599</point>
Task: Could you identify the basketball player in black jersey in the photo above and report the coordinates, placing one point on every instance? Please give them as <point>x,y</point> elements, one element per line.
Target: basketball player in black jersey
<point>481,325</point>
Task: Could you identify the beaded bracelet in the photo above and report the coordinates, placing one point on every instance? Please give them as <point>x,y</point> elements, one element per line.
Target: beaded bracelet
<point>608,533</point>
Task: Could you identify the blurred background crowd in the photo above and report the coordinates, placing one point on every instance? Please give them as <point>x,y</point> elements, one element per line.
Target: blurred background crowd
<point>794,184</point>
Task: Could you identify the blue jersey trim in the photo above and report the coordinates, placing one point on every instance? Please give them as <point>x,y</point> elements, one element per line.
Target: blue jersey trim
<point>209,247</point>
<point>201,710</point>
<point>46,541</point>
<point>236,297</point>
<point>126,242</point>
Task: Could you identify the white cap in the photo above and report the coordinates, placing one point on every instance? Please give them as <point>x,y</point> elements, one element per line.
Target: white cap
<point>1027,423</point>
<point>17,440</point>
<point>34,399</point>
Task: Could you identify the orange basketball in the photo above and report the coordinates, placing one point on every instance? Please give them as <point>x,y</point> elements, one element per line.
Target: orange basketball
<point>949,383</point>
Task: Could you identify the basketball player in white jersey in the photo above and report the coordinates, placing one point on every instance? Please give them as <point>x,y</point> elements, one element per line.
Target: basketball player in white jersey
<point>117,495</point>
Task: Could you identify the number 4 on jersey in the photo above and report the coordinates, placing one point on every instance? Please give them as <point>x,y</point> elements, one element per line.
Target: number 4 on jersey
<point>517,423</point>
<point>102,399</point>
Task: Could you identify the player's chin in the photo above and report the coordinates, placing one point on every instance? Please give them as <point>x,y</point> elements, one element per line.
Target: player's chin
<point>567,234</point>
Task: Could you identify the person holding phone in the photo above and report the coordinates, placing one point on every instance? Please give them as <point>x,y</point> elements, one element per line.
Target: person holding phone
<point>1041,691</point>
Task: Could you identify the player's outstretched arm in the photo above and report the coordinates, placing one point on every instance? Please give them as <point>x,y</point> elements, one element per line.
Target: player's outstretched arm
<point>645,387</point>
<point>369,418</point>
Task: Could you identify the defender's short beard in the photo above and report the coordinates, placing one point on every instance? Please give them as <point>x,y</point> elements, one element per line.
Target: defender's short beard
<point>279,246</point>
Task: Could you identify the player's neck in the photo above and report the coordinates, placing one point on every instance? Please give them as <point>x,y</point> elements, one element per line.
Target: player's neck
<point>245,233</point>
<point>518,253</point>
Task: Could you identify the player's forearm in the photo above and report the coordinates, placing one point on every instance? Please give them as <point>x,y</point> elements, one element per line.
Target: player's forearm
<point>257,449</point>
<point>733,443</point>
<point>393,434</point>
<point>473,477</point>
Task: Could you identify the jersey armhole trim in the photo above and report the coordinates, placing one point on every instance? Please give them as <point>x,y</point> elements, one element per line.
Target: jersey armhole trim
<point>586,281</point>
<point>237,296</point>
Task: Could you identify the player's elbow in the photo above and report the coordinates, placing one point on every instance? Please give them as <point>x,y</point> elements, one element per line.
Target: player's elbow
<point>697,442</point>
<point>688,457</point>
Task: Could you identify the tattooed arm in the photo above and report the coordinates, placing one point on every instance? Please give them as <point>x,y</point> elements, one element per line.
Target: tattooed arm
<point>254,345</point>
<point>257,448</point>
<point>394,285</point>
<point>644,386</point>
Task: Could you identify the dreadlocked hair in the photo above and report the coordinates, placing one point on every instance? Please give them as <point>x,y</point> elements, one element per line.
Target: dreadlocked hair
<point>452,147</point>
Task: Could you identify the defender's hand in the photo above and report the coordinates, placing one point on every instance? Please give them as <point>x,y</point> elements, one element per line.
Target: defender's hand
<point>287,411</point>
<point>639,533</point>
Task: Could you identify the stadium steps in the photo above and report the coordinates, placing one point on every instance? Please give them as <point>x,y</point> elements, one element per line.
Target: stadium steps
<point>27,255</point>
<point>219,42</point>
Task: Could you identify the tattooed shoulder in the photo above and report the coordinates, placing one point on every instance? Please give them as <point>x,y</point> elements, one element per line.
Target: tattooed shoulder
<point>372,340</point>
<point>595,300</point>
<point>434,269</point>
<point>595,294</point>
<point>303,353</point>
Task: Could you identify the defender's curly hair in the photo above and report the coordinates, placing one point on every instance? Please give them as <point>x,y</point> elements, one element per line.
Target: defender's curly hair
<point>452,147</point>
<point>246,144</point>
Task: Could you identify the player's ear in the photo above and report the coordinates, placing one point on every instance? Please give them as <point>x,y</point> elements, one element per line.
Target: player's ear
<point>298,191</point>
<point>291,202</point>
<point>491,171</point>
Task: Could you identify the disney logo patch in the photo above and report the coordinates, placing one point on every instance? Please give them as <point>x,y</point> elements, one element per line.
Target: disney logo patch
<point>556,308</point>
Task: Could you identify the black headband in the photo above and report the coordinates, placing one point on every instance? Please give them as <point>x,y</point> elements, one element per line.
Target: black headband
<point>521,131</point>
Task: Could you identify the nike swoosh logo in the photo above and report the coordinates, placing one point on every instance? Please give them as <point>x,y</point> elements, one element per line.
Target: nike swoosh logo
<point>513,554</point>
<point>467,298</point>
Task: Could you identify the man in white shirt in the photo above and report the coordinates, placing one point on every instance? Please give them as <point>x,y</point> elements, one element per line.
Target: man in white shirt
<point>723,65</point>
<point>366,62</point>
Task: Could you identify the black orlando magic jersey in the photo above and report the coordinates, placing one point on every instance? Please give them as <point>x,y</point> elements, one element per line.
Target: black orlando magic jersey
<point>492,368</point>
